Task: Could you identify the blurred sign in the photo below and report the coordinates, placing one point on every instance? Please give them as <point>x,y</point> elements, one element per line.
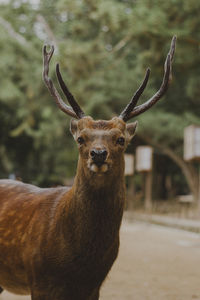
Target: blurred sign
<point>144,155</point>
<point>192,143</point>
<point>129,164</point>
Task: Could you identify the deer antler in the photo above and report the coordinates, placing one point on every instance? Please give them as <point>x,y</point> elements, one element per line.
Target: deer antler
<point>129,108</point>
<point>75,111</point>
<point>68,95</point>
<point>131,111</point>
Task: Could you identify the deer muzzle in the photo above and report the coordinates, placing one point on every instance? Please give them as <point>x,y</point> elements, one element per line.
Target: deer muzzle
<point>98,160</point>
<point>98,156</point>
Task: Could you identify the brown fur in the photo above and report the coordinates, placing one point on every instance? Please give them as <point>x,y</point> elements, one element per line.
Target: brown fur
<point>60,243</point>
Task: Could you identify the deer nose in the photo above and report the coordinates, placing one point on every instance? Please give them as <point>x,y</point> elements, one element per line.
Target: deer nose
<point>98,156</point>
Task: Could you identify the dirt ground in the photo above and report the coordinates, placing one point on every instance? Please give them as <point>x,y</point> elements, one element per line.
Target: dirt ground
<point>154,263</point>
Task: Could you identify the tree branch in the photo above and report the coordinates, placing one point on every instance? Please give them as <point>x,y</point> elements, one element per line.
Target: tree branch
<point>48,30</point>
<point>122,43</point>
<point>189,172</point>
<point>8,27</point>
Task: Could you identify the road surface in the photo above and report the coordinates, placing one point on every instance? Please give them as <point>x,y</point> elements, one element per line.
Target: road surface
<point>154,263</point>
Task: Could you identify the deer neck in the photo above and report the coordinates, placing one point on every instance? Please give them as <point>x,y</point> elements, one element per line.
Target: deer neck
<point>96,208</point>
<point>88,185</point>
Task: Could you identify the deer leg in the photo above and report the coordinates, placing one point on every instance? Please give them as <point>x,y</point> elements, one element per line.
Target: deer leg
<point>1,290</point>
<point>95,295</point>
<point>50,296</point>
<point>37,296</point>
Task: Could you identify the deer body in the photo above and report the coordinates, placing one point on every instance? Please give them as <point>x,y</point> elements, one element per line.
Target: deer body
<point>69,256</point>
<point>60,243</point>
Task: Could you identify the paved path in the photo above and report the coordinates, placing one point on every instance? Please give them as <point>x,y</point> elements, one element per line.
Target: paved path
<point>169,221</point>
<point>155,263</point>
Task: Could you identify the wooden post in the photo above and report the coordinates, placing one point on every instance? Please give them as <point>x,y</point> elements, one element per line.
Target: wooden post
<point>144,160</point>
<point>192,151</point>
<point>199,193</point>
<point>129,171</point>
<point>130,193</point>
<point>148,191</point>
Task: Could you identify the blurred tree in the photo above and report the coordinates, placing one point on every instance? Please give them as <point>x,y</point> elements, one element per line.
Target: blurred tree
<point>103,48</point>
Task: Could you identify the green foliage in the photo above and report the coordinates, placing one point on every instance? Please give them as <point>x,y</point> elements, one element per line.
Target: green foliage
<point>166,128</point>
<point>103,48</point>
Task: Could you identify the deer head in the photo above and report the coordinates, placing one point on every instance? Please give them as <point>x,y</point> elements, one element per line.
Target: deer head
<point>102,143</point>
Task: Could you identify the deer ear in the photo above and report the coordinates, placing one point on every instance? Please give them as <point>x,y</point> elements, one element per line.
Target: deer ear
<point>73,127</point>
<point>131,130</point>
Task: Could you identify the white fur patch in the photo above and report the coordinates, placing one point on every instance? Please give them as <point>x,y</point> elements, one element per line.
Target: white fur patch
<point>102,169</point>
<point>94,168</point>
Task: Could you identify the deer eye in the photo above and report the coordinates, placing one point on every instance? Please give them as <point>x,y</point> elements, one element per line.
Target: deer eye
<point>121,141</point>
<point>80,140</point>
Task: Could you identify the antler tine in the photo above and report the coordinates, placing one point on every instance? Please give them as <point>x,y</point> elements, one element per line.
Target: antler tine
<point>53,91</point>
<point>128,109</point>
<point>68,95</point>
<point>164,86</point>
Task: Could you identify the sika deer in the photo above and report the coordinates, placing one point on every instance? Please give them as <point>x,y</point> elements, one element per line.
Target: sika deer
<point>60,243</point>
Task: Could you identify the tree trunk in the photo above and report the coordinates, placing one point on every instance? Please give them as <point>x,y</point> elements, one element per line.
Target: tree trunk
<point>188,169</point>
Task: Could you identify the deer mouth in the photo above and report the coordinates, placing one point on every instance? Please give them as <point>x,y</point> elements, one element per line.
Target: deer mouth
<point>98,168</point>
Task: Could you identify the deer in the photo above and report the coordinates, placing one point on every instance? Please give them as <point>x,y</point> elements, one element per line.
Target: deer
<point>60,243</point>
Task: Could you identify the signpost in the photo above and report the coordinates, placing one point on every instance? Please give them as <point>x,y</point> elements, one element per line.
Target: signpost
<point>129,171</point>
<point>192,143</point>
<point>192,148</point>
<point>144,160</point>
<point>129,164</point>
